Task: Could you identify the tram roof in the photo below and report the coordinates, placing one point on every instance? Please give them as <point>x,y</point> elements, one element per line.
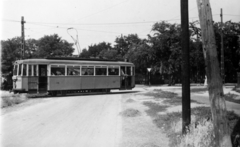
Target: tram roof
<point>68,60</point>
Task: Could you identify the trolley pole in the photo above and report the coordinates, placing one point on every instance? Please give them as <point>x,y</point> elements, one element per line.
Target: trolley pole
<point>222,50</point>
<point>23,40</point>
<point>186,109</point>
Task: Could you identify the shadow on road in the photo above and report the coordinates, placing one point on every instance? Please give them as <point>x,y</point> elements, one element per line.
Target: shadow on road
<point>85,94</point>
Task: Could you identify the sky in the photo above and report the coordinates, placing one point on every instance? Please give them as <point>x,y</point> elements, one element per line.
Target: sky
<point>95,21</point>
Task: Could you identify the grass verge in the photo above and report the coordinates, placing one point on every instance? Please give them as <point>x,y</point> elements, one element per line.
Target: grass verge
<point>201,128</point>
<point>232,98</point>
<point>199,90</point>
<point>237,89</point>
<point>130,113</point>
<point>154,108</point>
<point>167,97</point>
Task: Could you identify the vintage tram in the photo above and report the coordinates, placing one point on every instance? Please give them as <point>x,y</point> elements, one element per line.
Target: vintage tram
<point>71,75</point>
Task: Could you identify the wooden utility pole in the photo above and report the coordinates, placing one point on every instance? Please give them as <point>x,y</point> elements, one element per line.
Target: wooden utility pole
<point>215,85</point>
<point>23,40</point>
<point>222,50</point>
<point>186,109</point>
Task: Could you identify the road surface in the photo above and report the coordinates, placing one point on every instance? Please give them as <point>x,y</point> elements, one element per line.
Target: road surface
<point>72,121</point>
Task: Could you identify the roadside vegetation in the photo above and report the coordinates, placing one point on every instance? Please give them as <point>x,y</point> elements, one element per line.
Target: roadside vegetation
<point>237,89</point>
<point>199,90</point>
<point>228,97</point>
<point>200,132</point>
<point>130,113</point>
<point>232,98</point>
<point>10,99</point>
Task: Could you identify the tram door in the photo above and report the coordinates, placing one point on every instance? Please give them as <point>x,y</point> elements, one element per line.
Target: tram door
<point>126,78</point>
<point>42,78</point>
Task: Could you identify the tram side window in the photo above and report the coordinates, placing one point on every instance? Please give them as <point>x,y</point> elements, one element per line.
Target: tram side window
<point>128,70</point>
<point>15,70</point>
<point>73,70</point>
<point>133,71</point>
<point>87,70</point>
<point>34,70</point>
<point>20,70</point>
<point>24,69</point>
<point>29,70</point>
<point>113,70</point>
<point>101,70</point>
<point>57,70</point>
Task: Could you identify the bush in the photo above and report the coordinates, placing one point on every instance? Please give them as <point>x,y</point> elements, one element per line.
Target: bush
<point>200,131</point>
<point>198,136</point>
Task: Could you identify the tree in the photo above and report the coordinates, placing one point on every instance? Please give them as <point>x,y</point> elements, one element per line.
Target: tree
<point>215,86</point>
<point>124,43</point>
<point>231,32</point>
<point>141,54</point>
<point>52,46</point>
<point>94,50</point>
<point>85,54</point>
<point>31,47</point>
<point>46,46</point>
<point>11,51</point>
<point>197,64</point>
<point>97,50</point>
<point>110,54</point>
<point>166,45</point>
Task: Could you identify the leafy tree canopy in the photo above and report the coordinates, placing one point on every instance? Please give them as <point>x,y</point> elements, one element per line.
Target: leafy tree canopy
<point>46,46</point>
<point>53,46</point>
<point>11,51</point>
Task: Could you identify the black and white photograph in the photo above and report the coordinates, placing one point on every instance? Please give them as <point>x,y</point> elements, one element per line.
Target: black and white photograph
<point>120,73</point>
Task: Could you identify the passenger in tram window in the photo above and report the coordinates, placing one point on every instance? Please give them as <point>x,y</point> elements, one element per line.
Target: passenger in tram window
<point>112,71</point>
<point>122,73</point>
<point>71,73</point>
<point>90,71</point>
<point>52,73</point>
<point>59,73</point>
<point>85,72</point>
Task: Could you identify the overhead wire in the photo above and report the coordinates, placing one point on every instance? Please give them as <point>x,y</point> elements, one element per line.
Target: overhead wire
<point>79,29</point>
<point>231,15</point>
<point>61,25</point>
<point>103,10</point>
<point>58,25</point>
<point>101,24</point>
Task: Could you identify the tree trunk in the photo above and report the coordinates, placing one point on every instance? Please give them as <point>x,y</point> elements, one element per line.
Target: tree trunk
<point>215,85</point>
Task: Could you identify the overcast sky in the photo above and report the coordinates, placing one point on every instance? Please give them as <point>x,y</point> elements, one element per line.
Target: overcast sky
<point>99,20</point>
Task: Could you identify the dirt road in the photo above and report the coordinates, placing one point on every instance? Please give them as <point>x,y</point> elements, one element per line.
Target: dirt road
<point>81,121</point>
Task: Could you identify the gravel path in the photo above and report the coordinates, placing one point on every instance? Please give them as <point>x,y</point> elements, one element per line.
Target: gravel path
<point>87,121</point>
